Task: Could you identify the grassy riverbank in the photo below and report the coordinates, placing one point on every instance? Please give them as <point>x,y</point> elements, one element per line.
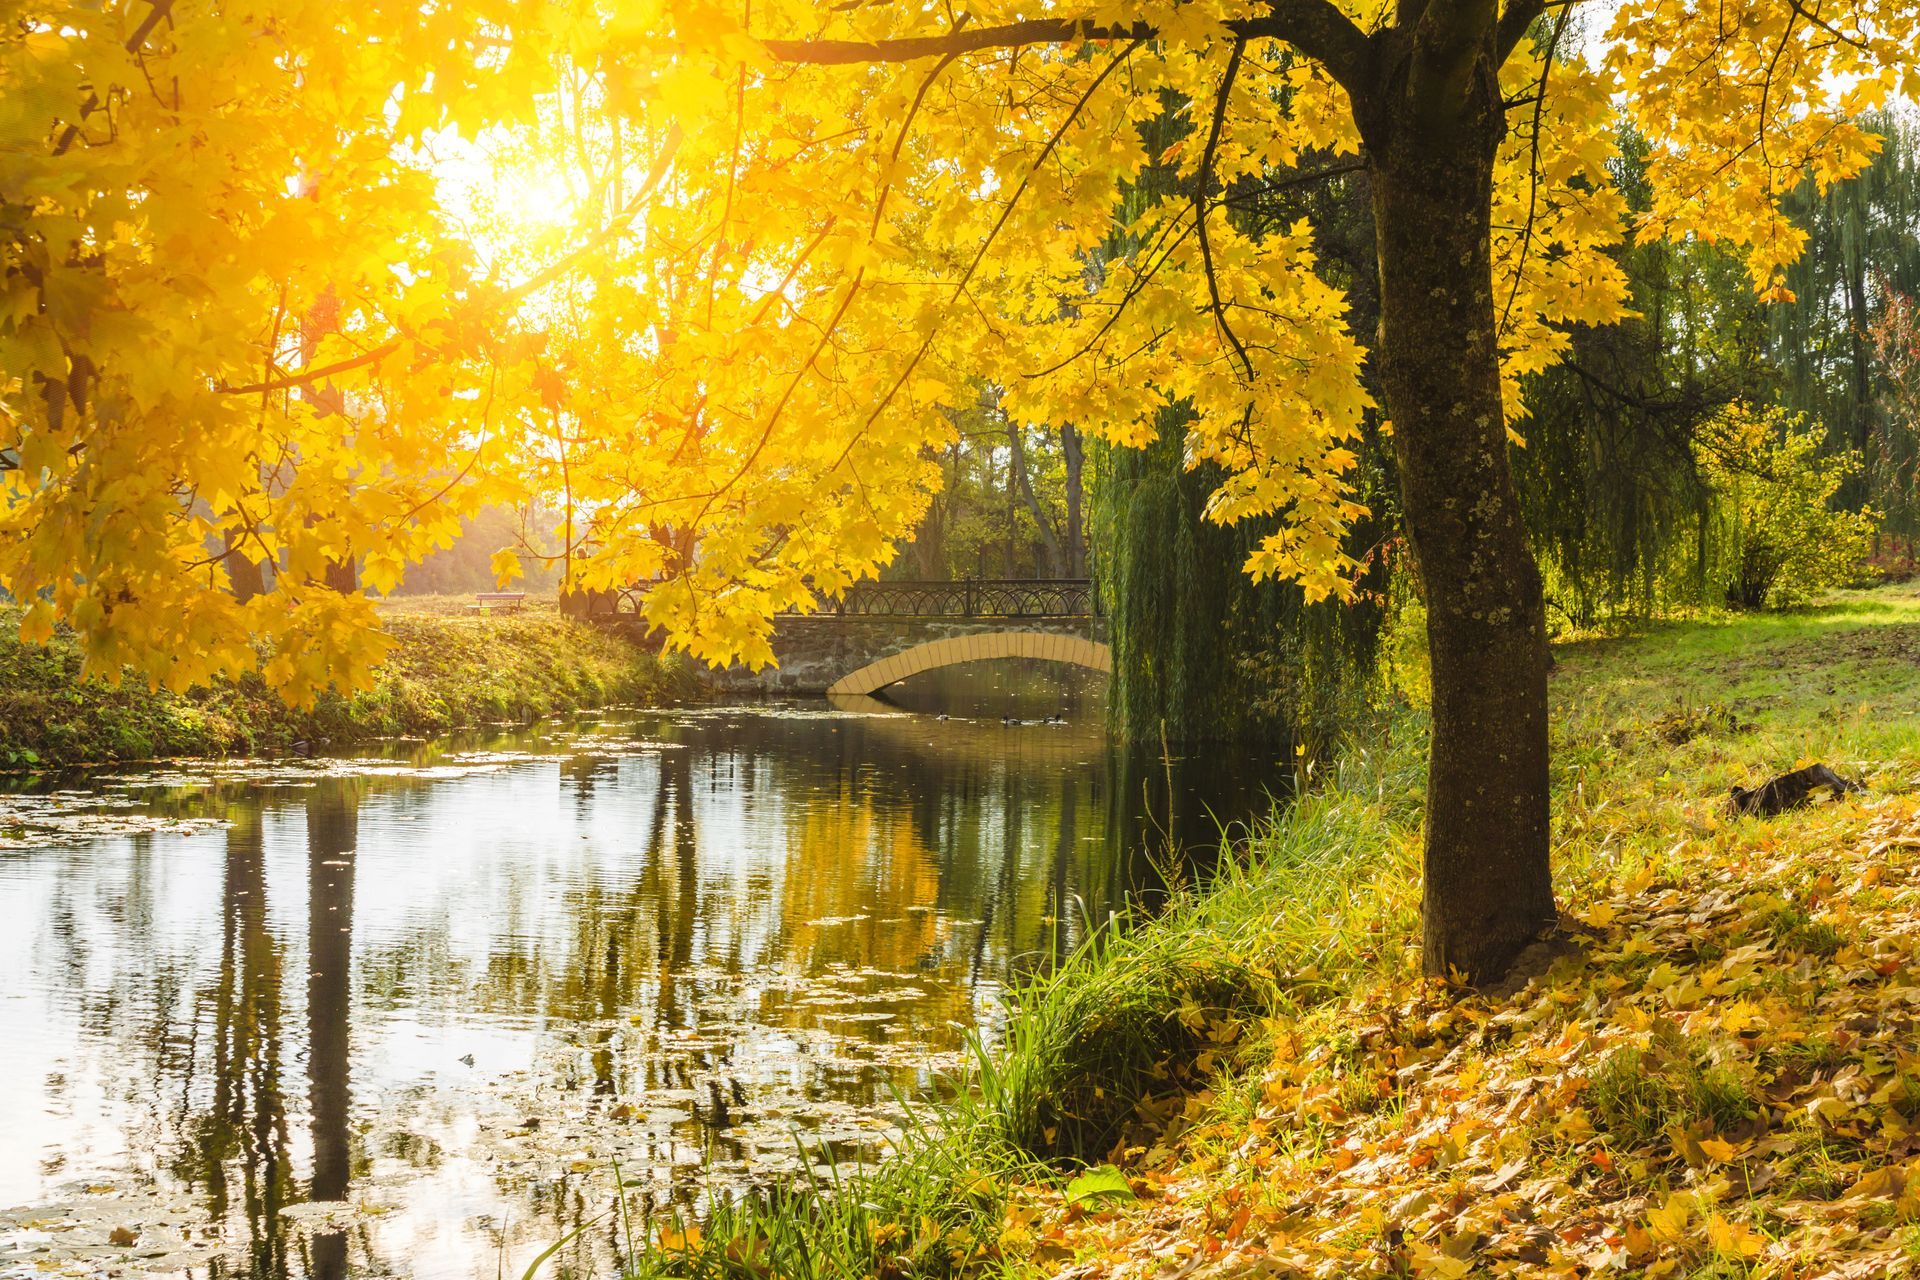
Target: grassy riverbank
<point>1718,1080</point>
<point>448,671</point>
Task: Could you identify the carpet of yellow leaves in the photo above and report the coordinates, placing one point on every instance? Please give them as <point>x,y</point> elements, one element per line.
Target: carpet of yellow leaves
<point>1718,1077</point>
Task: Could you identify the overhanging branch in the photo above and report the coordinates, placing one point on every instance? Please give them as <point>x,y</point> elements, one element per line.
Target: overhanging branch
<point>1314,27</point>
<point>1518,20</point>
<point>1201,182</point>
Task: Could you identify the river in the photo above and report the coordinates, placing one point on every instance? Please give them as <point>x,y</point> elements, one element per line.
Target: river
<point>414,1011</point>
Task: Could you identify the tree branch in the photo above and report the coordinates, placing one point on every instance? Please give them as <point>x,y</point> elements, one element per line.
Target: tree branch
<point>1533,170</point>
<point>1314,27</point>
<point>1514,25</point>
<point>1202,180</point>
<point>160,10</point>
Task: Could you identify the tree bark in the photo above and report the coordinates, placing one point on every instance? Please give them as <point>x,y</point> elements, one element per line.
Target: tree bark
<point>1487,884</point>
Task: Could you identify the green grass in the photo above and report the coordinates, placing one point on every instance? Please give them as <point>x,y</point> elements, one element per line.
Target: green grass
<point>1833,682</point>
<point>448,671</point>
<point>1652,730</point>
<point>1638,1094</point>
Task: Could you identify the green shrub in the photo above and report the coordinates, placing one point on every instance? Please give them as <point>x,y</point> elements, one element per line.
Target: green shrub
<point>1784,542</point>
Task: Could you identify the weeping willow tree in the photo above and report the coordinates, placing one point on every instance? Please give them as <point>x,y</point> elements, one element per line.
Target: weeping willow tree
<point>1218,681</point>
<point>1201,652</point>
<point>1625,470</point>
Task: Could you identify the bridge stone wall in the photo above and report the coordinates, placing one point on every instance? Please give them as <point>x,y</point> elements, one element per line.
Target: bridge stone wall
<point>816,651</point>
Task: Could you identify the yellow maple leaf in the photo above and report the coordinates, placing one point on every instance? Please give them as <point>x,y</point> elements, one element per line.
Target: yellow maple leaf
<point>1734,1239</point>
<point>1669,1221</point>
<point>505,565</point>
<point>1431,1264</point>
<point>1720,1149</point>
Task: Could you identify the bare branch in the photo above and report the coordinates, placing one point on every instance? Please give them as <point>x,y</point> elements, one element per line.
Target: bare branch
<point>980,255</point>
<point>1514,25</point>
<point>853,287</point>
<point>1249,196</point>
<point>1854,41</point>
<point>161,9</point>
<point>371,356</point>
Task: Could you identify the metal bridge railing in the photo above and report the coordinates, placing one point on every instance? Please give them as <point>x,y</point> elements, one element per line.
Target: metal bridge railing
<point>958,598</point>
<point>969,598</point>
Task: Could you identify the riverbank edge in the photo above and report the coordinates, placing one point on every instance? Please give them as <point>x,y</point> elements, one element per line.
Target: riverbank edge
<point>1258,1081</point>
<point>446,673</point>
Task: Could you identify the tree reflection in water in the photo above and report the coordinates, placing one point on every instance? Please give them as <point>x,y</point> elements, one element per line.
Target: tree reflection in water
<point>331,845</point>
<point>243,1133</point>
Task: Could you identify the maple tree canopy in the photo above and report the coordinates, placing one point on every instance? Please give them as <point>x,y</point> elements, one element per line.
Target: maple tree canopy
<point>291,283</point>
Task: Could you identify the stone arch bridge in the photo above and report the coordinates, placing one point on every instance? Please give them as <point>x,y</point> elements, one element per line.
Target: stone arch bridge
<point>879,633</point>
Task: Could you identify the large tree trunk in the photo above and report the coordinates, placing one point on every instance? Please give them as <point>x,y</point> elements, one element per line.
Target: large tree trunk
<point>1487,885</point>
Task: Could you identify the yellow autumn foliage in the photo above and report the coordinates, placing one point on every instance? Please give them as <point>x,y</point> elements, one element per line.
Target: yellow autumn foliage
<point>299,285</point>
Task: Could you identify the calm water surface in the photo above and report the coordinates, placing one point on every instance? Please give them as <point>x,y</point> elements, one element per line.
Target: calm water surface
<point>405,1014</point>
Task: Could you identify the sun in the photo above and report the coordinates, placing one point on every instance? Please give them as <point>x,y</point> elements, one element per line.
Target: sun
<point>511,200</point>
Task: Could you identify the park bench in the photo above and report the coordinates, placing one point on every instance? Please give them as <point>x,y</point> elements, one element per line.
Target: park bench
<point>504,601</point>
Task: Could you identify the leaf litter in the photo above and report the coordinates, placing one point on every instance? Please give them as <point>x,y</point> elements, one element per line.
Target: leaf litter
<point>1721,1079</point>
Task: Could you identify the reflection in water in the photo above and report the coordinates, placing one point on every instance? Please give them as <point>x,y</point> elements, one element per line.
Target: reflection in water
<point>441,993</point>
<point>245,1130</point>
<point>330,855</point>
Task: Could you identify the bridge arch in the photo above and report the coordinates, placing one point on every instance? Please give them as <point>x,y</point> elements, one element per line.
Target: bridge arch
<point>979,647</point>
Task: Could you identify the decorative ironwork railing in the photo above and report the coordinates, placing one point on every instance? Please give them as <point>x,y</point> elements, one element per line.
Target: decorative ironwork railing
<point>960,598</point>
<point>969,598</point>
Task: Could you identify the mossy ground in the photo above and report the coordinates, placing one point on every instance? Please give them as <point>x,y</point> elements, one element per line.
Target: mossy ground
<point>449,670</point>
<point>1718,1076</point>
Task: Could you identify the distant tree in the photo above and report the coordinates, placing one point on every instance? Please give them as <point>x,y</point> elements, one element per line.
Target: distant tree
<point>1863,244</point>
<point>1783,541</point>
<point>1613,476</point>
<point>1011,502</point>
<point>1895,460</point>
